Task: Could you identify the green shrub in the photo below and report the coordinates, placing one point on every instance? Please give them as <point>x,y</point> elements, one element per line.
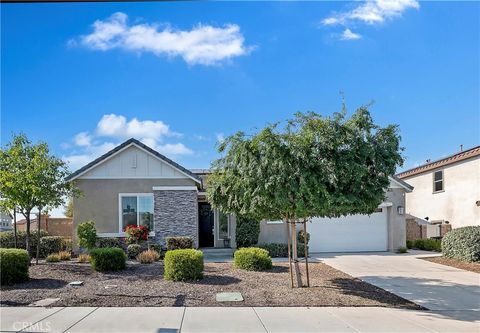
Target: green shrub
<point>87,234</point>
<point>13,265</point>
<point>108,259</point>
<point>108,242</point>
<point>462,244</point>
<point>402,249</point>
<point>252,259</point>
<point>247,232</point>
<point>428,244</point>
<point>155,247</point>
<point>148,257</point>
<point>280,250</point>
<point>183,265</point>
<point>65,255</point>
<point>410,244</point>
<point>301,237</point>
<point>50,244</point>
<point>133,250</point>
<point>67,245</point>
<point>176,243</point>
<point>7,239</point>
<point>53,257</point>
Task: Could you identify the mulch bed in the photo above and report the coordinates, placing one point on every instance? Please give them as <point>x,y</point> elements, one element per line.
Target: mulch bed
<point>143,285</point>
<point>468,266</point>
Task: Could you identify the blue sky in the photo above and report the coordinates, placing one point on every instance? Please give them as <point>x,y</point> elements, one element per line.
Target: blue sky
<point>180,75</point>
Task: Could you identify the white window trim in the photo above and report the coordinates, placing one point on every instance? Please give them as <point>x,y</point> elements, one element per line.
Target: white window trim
<point>437,181</point>
<point>121,233</point>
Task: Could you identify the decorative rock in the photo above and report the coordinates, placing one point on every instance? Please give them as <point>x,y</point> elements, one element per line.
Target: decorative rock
<point>45,302</point>
<point>76,283</point>
<point>110,286</point>
<point>229,297</point>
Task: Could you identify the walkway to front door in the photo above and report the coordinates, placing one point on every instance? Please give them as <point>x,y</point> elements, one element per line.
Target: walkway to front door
<point>205,224</point>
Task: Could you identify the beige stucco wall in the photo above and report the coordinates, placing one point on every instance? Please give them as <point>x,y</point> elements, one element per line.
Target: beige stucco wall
<point>457,203</point>
<point>99,201</point>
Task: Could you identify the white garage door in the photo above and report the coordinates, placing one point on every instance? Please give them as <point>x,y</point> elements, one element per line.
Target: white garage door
<point>355,233</point>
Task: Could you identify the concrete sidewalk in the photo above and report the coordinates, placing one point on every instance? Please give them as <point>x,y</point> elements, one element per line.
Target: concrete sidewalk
<point>434,286</point>
<point>234,319</point>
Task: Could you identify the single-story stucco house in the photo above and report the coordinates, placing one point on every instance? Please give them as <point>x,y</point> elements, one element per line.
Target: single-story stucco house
<point>134,184</point>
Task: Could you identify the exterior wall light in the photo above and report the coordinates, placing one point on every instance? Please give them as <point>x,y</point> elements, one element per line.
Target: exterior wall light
<point>400,210</point>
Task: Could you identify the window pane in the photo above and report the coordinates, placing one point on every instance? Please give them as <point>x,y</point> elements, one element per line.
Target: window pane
<point>438,186</point>
<point>222,225</point>
<point>438,175</point>
<point>145,209</point>
<point>129,211</point>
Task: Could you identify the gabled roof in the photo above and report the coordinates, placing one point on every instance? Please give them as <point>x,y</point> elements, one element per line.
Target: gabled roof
<point>466,154</point>
<point>126,144</point>
<point>402,183</point>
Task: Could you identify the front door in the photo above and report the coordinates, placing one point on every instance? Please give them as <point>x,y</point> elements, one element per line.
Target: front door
<point>205,224</point>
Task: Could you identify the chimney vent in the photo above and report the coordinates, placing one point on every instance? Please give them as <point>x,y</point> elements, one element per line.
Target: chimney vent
<point>461,148</point>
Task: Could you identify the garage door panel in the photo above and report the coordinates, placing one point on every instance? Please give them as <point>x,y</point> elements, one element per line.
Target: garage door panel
<point>353,233</point>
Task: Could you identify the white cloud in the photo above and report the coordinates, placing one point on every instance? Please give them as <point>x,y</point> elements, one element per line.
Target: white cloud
<point>220,137</point>
<point>203,44</point>
<point>116,128</point>
<point>347,34</point>
<point>372,12</point>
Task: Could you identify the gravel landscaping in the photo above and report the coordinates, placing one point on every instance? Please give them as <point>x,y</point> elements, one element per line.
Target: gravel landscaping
<point>143,285</point>
<point>468,266</point>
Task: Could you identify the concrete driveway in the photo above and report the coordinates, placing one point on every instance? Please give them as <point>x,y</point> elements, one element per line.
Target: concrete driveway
<point>434,286</point>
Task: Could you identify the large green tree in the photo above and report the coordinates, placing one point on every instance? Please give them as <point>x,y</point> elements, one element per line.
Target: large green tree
<point>309,166</point>
<point>31,177</point>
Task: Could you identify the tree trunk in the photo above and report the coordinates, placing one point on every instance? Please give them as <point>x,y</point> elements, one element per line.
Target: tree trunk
<point>15,227</point>
<point>27,236</point>
<point>39,220</point>
<point>289,247</point>
<point>296,266</point>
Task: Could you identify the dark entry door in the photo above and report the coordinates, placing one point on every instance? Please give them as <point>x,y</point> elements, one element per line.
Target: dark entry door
<point>205,222</point>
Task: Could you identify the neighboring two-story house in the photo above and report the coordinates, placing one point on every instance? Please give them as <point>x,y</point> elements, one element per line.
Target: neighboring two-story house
<point>446,190</point>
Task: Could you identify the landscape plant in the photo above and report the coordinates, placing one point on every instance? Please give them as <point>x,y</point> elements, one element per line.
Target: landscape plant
<point>136,233</point>
<point>183,265</point>
<point>82,258</point>
<point>65,255</point>
<point>51,244</point>
<point>133,250</point>
<point>87,234</point>
<point>428,244</point>
<point>53,257</point>
<point>462,244</point>
<point>175,243</point>
<point>252,259</point>
<point>107,259</point>
<point>108,242</point>
<point>7,239</point>
<point>14,265</point>
<point>247,232</point>
<point>311,165</point>
<point>148,257</point>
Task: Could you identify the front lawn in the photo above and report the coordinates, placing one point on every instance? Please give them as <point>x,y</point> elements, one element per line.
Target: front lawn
<point>143,285</point>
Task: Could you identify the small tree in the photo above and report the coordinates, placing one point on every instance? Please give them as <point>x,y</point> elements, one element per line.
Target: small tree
<point>31,177</point>
<point>312,166</point>
<point>87,234</point>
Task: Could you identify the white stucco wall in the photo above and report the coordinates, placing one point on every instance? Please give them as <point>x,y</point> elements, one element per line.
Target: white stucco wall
<point>457,203</point>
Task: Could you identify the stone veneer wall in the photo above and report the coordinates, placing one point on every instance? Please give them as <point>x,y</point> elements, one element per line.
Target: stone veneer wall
<point>175,214</point>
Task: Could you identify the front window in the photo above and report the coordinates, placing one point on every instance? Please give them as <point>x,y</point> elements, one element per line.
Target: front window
<point>136,209</point>
<point>223,225</point>
<point>438,181</point>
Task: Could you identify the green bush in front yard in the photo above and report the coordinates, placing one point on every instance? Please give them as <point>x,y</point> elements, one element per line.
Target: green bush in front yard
<point>87,234</point>
<point>183,265</point>
<point>108,259</point>
<point>247,232</point>
<point>7,239</point>
<point>51,244</point>
<point>176,243</point>
<point>13,265</point>
<point>462,244</point>
<point>108,242</point>
<point>410,244</point>
<point>53,257</point>
<point>252,259</point>
<point>133,250</point>
<point>428,244</point>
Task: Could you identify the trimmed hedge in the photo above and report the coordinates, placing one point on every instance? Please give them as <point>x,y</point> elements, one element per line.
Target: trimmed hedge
<point>410,244</point>
<point>428,244</point>
<point>183,265</point>
<point>108,242</point>
<point>252,259</point>
<point>462,244</point>
<point>247,232</point>
<point>280,250</point>
<point>133,250</point>
<point>13,265</point>
<point>108,259</point>
<point>7,239</point>
<point>176,243</point>
<point>51,244</point>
